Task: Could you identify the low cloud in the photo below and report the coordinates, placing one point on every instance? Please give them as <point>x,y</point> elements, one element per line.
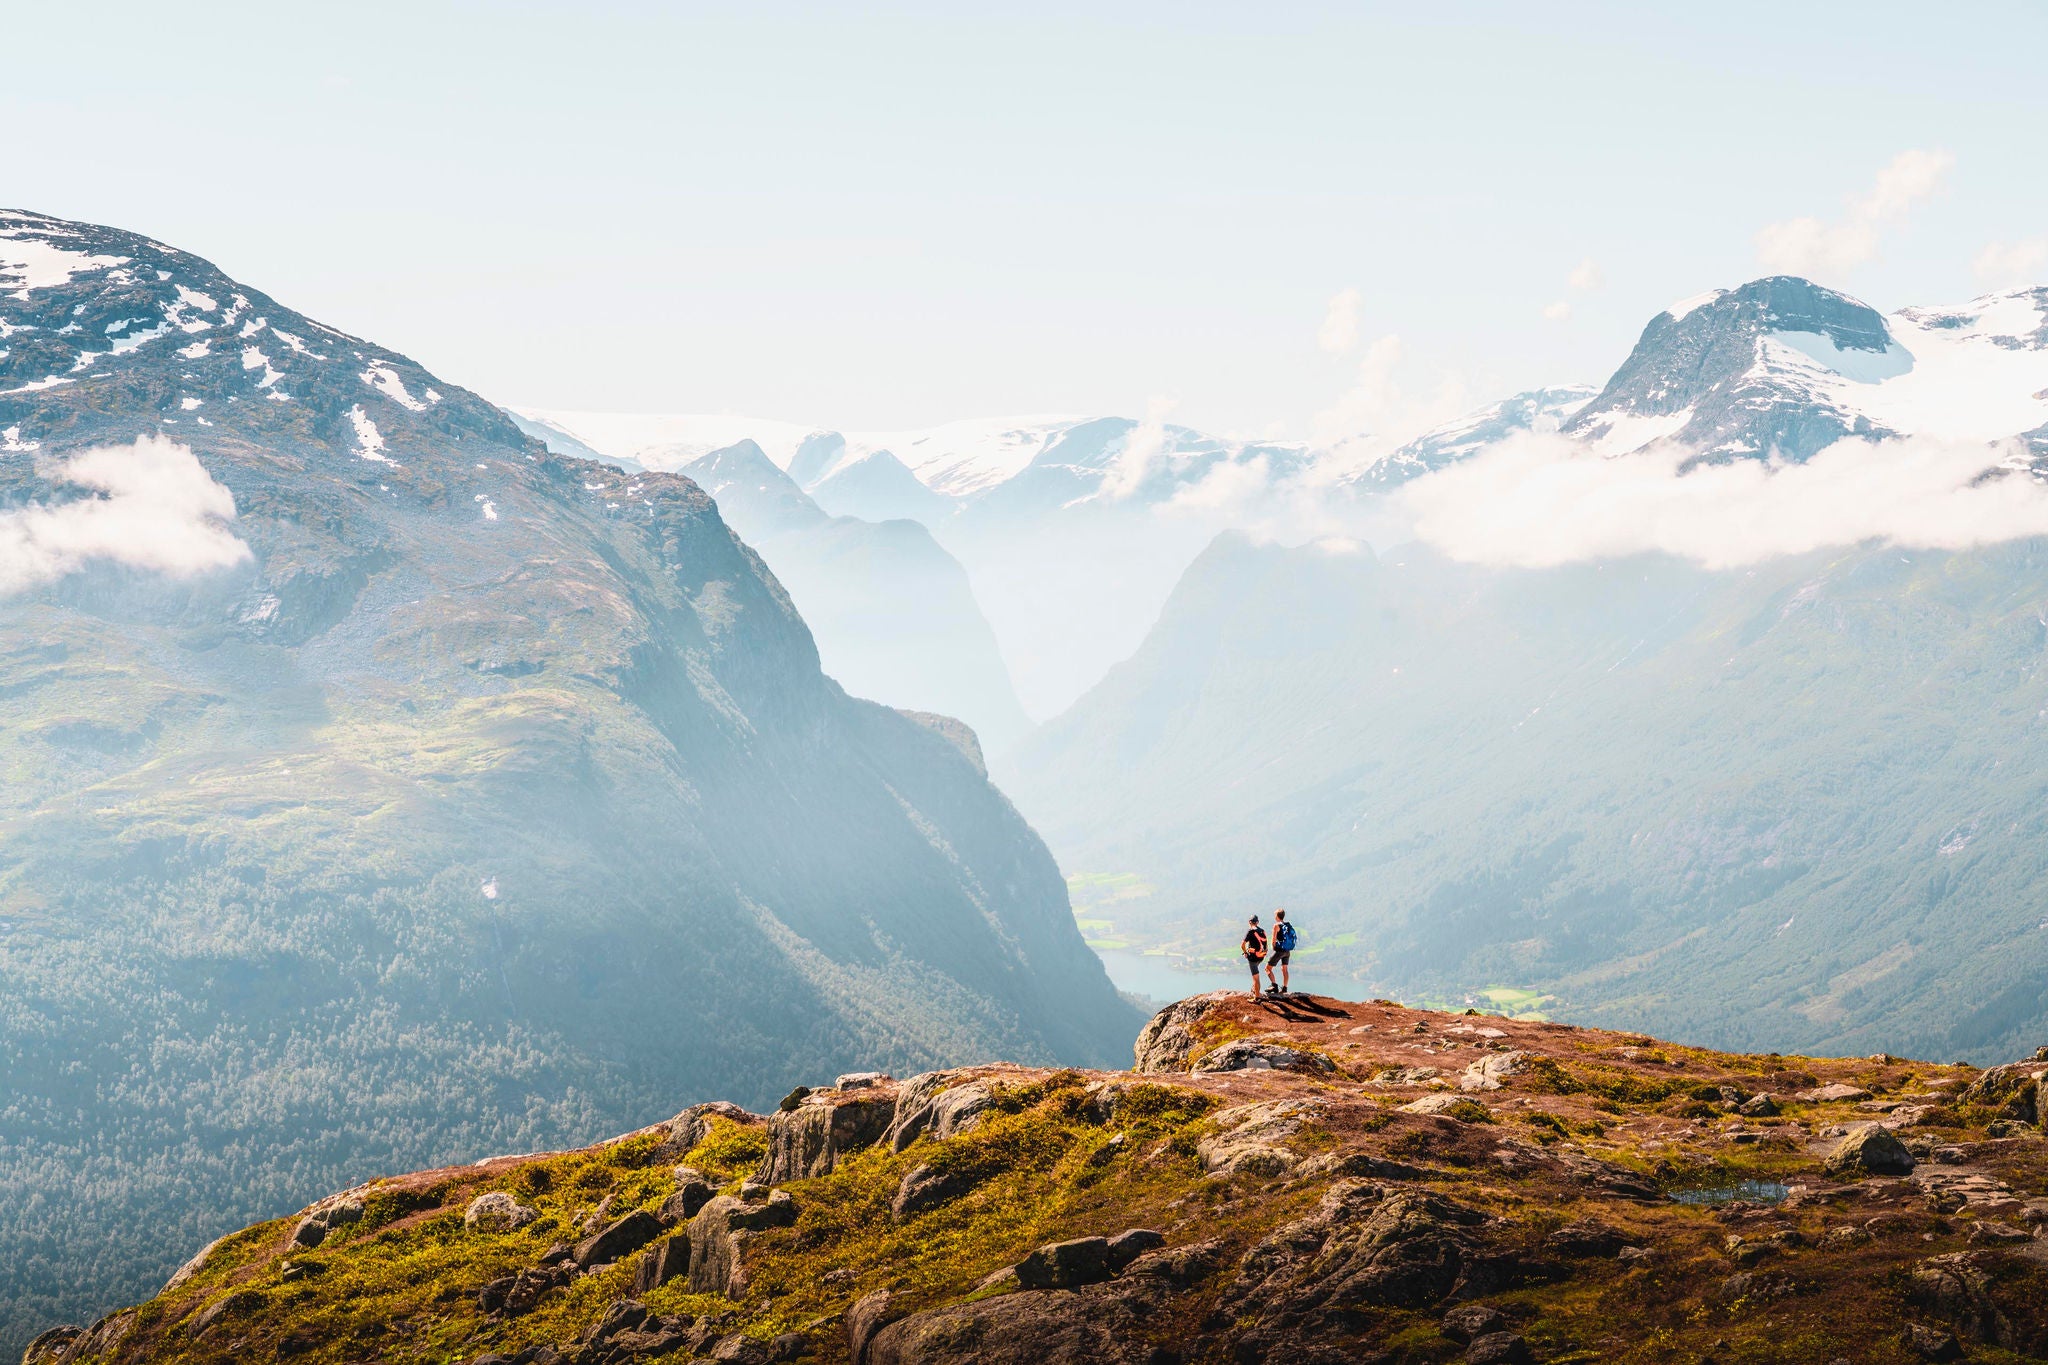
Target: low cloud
<point>1540,501</point>
<point>2007,265</point>
<point>1339,332</point>
<point>1823,250</point>
<point>154,508</point>
<point>1376,414</point>
<point>1142,449</point>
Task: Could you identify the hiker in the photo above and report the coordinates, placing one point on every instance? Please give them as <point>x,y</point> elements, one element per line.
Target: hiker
<point>1254,950</point>
<point>1283,946</point>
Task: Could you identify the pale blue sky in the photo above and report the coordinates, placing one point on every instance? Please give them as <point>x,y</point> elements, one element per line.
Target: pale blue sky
<point>890,216</point>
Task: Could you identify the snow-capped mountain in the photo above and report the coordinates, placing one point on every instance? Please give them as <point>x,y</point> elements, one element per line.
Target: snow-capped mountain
<point>1784,367</point>
<point>1535,410</point>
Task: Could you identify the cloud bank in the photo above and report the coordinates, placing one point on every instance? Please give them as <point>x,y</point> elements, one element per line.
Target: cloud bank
<point>1808,246</point>
<point>1541,501</point>
<point>156,509</point>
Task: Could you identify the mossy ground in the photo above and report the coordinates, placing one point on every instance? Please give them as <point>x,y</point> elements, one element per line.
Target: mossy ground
<point>400,1285</point>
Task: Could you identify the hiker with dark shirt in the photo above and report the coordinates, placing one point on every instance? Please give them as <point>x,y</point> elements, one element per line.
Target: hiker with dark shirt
<point>1283,949</point>
<point>1254,949</point>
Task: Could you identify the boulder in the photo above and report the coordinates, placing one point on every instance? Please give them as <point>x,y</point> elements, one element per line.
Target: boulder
<point>1498,1348</point>
<point>1585,1239</point>
<point>1253,1054</point>
<point>693,1192</point>
<point>1111,1323</point>
<point>925,1187</point>
<point>719,1235</point>
<point>2014,1090</point>
<point>809,1140</point>
<point>191,1267</point>
<point>617,1239</point>
<point>497,1212</point>
<point>1758,1107</point>
<point>1931,1343</point>
<point>688,1128</point>
<point>1470,1321</point>
<point>1367,1246</point>
<point>1870,1150</point>
<point>937,1103</point>
<point>1167,1040</point>
<point>1127,1247</point>
<point>1461,1107</point>
<point>1492,1071</point>
<point>868,1316</point>
<point>1064,1265</point>
<point>1958,1287</point>
<point>52,1347</point>
<point>1828,1094</point>
<point>333,1212</point>
<point>668,1259</point>
<point>863,1080</point>
<point>1248,1138</point>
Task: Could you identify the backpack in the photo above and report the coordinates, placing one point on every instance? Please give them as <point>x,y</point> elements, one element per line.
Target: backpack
<point>1283,937</point>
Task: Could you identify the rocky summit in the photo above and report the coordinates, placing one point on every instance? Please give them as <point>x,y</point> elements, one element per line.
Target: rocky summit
<point>380,787</point>
<point>1295,1179</point>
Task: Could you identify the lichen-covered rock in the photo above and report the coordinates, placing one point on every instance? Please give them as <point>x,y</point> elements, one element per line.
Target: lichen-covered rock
<point>1108,1323</point>
<point>337,1210</point>
<point>1492,1071</point>
<point>719,1235</point>
<point>1958,1287</point>
<point>1870,1150</point>
<point>1458,1106</point>
<point>938,1103</point>
<point>1250,1138</point>
<point>693,1191</point>
<point>1253,1054</point>
<point>1166,1041</point>
<point>925,1187</point>
<point>668,1259</point>
<point>1064,1265</point>
<point>1828,1094</point>
<point>2015,1090</point>
<point>497,1211</point>
<point>690,1127</point>
<point>808,1140</point>
<point>618,1239</point>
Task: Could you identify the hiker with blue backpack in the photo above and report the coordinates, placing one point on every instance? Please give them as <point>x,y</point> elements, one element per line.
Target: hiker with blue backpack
<point>1283,946</point>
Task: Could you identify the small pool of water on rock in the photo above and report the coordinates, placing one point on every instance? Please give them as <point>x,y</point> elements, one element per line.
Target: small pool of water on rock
<point>1750,1191</point>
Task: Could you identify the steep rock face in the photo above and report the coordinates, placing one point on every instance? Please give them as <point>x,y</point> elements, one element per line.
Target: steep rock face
<point>368,743</point>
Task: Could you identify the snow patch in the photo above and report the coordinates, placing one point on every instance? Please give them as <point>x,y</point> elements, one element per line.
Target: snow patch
<point>1684,306</point>
<point>381,377</point>
<point>1626,432</point>
<point>369,440</point>
<point>32,263</point>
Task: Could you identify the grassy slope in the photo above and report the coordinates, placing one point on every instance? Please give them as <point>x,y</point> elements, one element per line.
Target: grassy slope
<point>400,1285</point>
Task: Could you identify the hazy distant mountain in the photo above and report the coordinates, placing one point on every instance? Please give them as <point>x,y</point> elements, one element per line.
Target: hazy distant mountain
<point>1536,410</point>
<point>383,790</point>
<point>1070,528</point>
<point>1800,804</point>
<point>892,613</point>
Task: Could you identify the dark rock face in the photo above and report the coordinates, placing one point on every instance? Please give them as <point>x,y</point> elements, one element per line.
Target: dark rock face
<point>618,1239</point>
<point>939,1103</point>
<point>1702,365</point>
<point>1065,1265</point>
<point>925,1188</point>
<point>496,746</point>
<point>718,1239</point>
<point>808,1140</point>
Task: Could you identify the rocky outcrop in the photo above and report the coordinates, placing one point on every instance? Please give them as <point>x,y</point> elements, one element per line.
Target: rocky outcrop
<point>617,1239</point>
<point>719,1235</point>
<point>1167,1041</point>
<point>690,1127</point>
<point>1255,1054</point>
<point>497,1211</point>
<point>2015,1090</point>
<point>1250,1138</point>
<point>1492,1071</point>
<point>938,1103</point>
<point>926,1187</point>
<point>808,1140</point>
<point>333,1212</point>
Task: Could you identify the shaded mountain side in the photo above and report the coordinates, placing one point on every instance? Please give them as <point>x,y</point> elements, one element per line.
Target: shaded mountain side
<point>893,613</point>
<point>1799,804</point>
<point>479,802</point>
<point>1300,1178</point>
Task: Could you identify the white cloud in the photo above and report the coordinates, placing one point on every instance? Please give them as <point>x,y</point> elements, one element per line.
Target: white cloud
<point>1376,414</point>
<point>1822,250</point>
<point>1538,501</point>
<point>1559,311</point>
<point>157,510</point>
<point>2008,265</point>
<point>1587,277</point>
<point>1339,332</point>
<point>1143,446</point>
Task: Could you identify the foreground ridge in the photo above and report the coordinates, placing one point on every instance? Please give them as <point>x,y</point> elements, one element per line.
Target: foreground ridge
<point>1298,1179</point>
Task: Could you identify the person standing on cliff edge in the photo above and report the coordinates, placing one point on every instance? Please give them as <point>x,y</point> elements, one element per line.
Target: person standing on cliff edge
<point>1254,949</point>
<point>1283,949</point>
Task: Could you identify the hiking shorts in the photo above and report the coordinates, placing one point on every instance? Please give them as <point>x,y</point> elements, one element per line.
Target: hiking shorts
<point>1279,959</point>
<point>1254,961</point>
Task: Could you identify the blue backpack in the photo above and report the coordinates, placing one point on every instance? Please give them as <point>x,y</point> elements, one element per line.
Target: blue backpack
<point>1283,937</point>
